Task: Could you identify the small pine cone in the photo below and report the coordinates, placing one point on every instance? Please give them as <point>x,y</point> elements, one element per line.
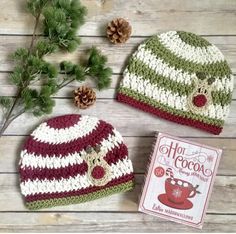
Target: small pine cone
<point>84,97</point>
<point>118,31</point>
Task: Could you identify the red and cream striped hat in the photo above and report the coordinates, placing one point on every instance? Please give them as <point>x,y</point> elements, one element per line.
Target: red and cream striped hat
<point>72,159</point>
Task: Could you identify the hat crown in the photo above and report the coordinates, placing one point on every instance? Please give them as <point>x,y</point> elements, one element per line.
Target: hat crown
<point>193,39</point>
<point>63,122</point>
<point>160,79</point>
<point>56,167</point>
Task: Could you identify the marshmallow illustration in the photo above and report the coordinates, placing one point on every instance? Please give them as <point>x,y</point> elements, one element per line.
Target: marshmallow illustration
<point>172,182</point>
<point>179,183</point>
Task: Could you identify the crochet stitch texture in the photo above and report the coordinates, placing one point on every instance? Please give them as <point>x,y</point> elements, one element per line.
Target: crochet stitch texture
<point>181,77</point>
<point>56,167</point>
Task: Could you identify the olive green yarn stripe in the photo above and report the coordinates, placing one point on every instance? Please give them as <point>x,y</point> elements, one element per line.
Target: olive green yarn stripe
<point>163,107</point>
<point>221,98</point>
<point>193,39</point>
<point>142,70</point>
<point>139,68</point>
<point>219,69</point>
<point>80,198</point>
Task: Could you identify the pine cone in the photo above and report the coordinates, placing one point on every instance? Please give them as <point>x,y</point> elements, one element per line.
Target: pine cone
<point>118,31</point>
<point>84,97</point>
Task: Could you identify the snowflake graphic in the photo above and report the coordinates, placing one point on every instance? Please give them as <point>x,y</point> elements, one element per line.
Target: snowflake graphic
<point>177,193</point>
<point>210,158</point>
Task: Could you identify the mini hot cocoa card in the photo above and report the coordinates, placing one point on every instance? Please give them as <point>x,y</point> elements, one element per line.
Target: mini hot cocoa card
<point>179,180</point>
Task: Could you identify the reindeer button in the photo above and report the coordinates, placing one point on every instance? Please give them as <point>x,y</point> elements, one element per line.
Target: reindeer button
<point>99,172</point>
<point>200,98</point>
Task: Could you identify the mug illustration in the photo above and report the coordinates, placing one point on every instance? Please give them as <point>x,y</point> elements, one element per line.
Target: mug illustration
<point>178,192</point>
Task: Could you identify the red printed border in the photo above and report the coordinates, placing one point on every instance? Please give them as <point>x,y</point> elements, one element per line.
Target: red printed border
<point>142,208</point>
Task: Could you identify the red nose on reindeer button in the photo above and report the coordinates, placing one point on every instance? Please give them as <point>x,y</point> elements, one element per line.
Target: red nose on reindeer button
<point>98,172</point>
<point>200,100</point>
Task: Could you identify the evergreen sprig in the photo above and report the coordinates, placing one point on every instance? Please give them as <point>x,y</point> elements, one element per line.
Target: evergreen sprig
<point>95,68</point>
<point>60,20</point>
<point>98,70</point>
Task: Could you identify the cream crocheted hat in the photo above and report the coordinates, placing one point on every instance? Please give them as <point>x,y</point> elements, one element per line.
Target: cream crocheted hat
<point>181,77</point>
<point>72,159</point>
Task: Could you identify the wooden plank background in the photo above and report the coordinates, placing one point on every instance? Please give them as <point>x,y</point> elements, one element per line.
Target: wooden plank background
<point>215,20</point>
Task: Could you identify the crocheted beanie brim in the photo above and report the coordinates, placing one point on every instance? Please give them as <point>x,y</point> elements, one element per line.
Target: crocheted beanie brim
<point>142,105</point>
<point>181,77</point>
<point>58,168</point>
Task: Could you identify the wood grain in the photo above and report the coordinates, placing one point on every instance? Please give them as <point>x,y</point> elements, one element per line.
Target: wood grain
<point>106,222</point>
<point>122,202</point>
<point>139,150</point>
<point>129,121</point>
<point>7,89</point>
<point>117,55</point>
<point>212,17</point>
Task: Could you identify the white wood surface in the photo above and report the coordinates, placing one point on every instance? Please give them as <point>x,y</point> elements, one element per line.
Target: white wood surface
<point>105,222</point>
<point>129,121</point>
<point>117,55</point>
<point>215,20</point>
<point>208,17</point>
<point>123,202</point>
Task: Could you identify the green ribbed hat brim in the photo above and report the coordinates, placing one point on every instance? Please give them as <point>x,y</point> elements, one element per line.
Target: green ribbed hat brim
<point>166,108</point>
<point>47,203</point>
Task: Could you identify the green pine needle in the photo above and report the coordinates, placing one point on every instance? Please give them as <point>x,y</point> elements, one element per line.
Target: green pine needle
<point>67,67</point>
<point>5,102</point>
<point>35,6</point>
<point>97,69</point>
<point>20,55</point>
<point>80,74</point>
<point>60,20</point>
<point>44,47</point>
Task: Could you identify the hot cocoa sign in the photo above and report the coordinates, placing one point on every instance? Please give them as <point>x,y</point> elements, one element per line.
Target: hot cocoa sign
<point>185,159</point>
<point>179,180</point>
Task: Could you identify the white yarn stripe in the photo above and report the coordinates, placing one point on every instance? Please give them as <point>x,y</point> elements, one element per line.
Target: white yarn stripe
<point>138,84</point>
<point>225,84</point>
<point>46,134</point>
<point>200,55</point>
<point>122,167</point>
<point>55,162</point>
<point>178,75</point>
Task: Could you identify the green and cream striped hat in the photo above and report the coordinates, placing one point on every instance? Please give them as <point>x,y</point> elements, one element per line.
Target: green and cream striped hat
<point>181,77</point>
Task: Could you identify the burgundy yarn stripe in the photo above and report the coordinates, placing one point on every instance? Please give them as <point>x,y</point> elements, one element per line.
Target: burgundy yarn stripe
<point>91,189</point>
<point>64,121</point>
<point>117,153</point>
<point>178,119</point>
<point>49,150</point>
<point>29,173</point>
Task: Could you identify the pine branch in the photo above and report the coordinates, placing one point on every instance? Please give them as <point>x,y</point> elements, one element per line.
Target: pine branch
<point>9,121</point>
<point>34,33</point>
<point>61,19</point>
<point>96,68</point>
<point>9,115</point>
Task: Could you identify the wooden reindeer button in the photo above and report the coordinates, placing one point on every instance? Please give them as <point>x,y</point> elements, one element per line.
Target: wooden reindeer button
<point>99,172</point>
<point>201,98</point>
